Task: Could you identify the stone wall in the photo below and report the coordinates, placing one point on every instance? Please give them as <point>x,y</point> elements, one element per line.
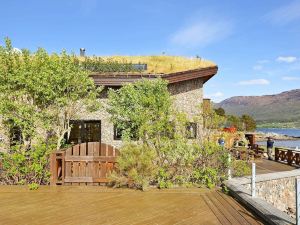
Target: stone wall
<point>279,191</point>
<point>275,195</point>
<point>187,96</point>
<point>107,128</point>
<point>4,138</point>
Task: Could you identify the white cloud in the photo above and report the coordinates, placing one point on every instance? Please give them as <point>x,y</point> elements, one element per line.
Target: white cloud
<point>257,67</point>
<point>218,94</point>
<point>260,64</point>
<point>263,61</point>
<point>286,59</point>
<point>216,97</point>
<point>202,33</point>
<point>284,14</point>
<point>254,82</point>
<point>287,78</point>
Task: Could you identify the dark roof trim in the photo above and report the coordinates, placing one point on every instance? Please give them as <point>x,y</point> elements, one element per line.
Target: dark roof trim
<point>118,79</point>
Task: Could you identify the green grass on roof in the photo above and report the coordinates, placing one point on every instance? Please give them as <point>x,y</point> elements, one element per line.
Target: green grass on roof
<point>163,63</point>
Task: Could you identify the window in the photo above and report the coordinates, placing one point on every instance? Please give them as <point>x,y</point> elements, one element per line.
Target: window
<point>85,131</point>
<point>117,133</point>
<point>15,135</point>
<point>191,130</point>
<point>15,132</point>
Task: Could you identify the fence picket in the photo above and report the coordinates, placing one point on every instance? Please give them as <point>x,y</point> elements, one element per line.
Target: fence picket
<point>86,164</point>
<point>68,165</point>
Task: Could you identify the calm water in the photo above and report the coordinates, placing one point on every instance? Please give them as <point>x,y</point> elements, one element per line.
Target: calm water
<point>285,131</point>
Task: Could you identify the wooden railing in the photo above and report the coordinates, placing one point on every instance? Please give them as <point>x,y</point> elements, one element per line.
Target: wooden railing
<point>83,164</point>
<point>290,156</point>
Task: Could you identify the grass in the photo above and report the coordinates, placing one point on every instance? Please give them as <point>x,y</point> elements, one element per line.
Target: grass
<point>163,64</point>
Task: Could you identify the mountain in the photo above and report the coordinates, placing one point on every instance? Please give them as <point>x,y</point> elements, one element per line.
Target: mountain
<point>283,107</point>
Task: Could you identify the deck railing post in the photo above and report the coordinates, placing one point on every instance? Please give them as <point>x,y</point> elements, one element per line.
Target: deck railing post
<point>229,168</point>
<point>253,181</point>
<point>297,182</point>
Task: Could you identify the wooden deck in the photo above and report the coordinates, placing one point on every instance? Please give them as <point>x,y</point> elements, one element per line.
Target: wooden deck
<point>98,205</point>
<point>268,166</point>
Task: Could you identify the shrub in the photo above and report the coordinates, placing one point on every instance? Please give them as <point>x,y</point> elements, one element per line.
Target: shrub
<point>211,164</point>
<point>135,168</point>
<point>159,152</point>
<point>26,166</point>
<point>163,179</point>
<point>240,168</point>
<point>33,186</point>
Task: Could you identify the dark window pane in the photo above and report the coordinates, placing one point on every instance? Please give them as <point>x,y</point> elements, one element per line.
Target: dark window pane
<point>117,133</point>
<point>75,136</point>
<point>93,131</point>
<point>85,131</point>
<point>191,130</point>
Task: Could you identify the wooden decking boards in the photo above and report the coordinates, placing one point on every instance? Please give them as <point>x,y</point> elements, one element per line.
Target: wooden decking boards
<point>99,205</point>
<point>269,166</point>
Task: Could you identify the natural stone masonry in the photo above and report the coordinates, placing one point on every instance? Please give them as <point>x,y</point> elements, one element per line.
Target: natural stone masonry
<point>187,97</point>
<point>4,138</point>
<point>275,195</point>
<point>279,192</point>
<point>107,128</point>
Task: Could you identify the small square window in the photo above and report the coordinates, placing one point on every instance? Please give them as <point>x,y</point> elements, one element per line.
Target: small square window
<point>117,133</point>
<point>191,130</point>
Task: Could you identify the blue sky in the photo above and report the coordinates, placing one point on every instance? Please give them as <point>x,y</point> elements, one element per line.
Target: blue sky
<point>255,43</point>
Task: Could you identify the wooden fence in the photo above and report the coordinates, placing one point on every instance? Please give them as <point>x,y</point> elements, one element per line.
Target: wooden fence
<point>289,156</point>
<point>83,164</point>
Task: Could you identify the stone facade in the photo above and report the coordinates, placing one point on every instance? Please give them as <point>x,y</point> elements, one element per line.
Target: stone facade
<point>187,96</point>
<point>4,138</point>
<point>107,128</point>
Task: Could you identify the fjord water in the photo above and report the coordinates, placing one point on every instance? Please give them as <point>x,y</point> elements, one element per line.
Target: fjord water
<point>284,131</point>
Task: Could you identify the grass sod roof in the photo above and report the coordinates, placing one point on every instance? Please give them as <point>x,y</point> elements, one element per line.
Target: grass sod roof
<point>162,64</point>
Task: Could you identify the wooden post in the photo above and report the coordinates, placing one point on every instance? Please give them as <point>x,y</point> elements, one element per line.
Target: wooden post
<point>290,157</point>
<point>297,182</point>
<point>53,169</point>
<point>276,154</point>
<point>253,181</point>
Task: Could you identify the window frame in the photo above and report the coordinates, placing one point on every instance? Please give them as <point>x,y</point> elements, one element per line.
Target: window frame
<point>195,132</point>
<point>83,130</point>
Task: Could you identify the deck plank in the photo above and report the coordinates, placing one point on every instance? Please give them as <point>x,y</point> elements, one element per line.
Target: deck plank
<point>249,216</point>
<point>99,205</point>
<point>269,166</point>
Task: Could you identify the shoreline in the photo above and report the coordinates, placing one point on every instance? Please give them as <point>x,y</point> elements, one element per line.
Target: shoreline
<point>260,136</point>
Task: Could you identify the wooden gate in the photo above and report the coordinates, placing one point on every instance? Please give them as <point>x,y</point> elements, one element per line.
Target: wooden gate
<point>83,164</point>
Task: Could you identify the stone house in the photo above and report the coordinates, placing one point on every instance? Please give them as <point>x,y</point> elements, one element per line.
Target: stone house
<point>185,77</point>
<point>185,85</point>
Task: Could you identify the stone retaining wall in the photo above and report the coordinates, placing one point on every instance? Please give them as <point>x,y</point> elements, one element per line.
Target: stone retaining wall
<point>275,195</point>
<point>279,192</point>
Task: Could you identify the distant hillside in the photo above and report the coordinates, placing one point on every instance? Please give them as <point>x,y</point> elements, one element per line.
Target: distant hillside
<point>283,107</point>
